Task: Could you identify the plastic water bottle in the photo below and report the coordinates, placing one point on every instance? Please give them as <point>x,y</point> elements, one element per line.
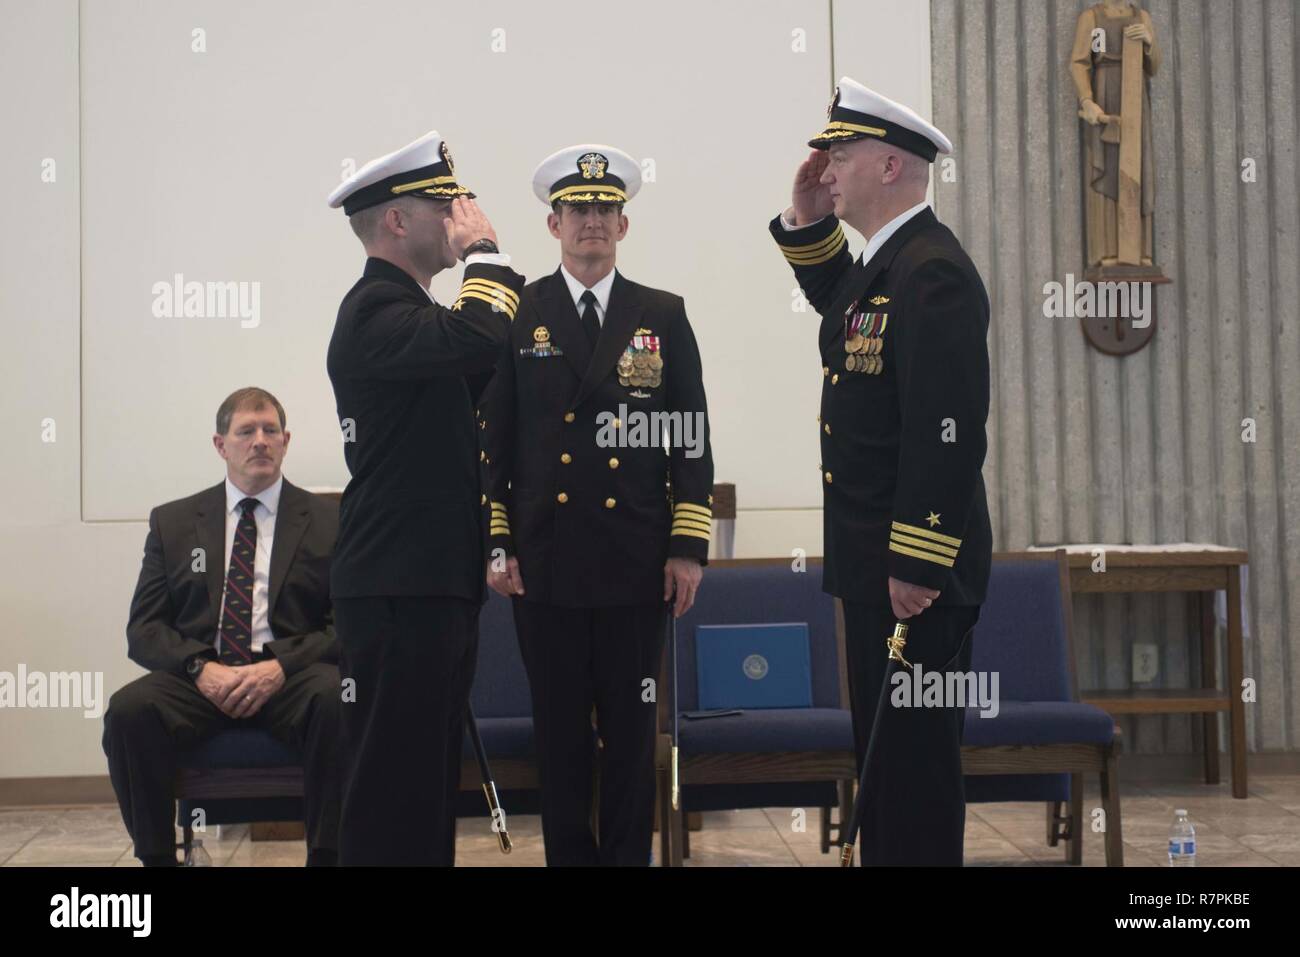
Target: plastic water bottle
<point>1182,841</point>
<point>198,857</point>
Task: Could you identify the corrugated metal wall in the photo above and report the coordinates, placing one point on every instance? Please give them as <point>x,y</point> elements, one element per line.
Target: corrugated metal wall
<point>1085,447</point>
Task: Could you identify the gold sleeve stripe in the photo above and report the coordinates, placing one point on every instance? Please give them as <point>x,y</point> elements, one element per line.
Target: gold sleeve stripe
<point>916,553</point>
<point>922,543</point>
<point>815,260</point>
<point>690,523</point>
<point>499,303</point>
<point>491,285</point>
<point>926,533</point>
<point>690,532</point>
<point>687,507</point>
<point>693,519</point>
<point>818,247</point>
<point>809,257</point>
<point>500,524</point>
<point>493,301</point>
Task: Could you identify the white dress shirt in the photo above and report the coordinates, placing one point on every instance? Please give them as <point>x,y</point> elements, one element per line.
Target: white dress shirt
<point>264,515</point>
<point>881,235</point>
<point>600,291</point>
<point>884,232</point>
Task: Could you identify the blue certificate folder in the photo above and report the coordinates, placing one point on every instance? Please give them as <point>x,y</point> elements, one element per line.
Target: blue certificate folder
<point>753,666</point>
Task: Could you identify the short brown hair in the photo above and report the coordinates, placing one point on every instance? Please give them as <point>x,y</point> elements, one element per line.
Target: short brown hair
<point>251,398</point>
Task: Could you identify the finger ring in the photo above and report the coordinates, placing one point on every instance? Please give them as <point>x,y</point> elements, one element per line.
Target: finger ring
<point>927,603</point>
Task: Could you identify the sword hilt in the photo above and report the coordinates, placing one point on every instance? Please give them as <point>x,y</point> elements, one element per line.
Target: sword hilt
<point>896,642</point>
<point>846,855</point>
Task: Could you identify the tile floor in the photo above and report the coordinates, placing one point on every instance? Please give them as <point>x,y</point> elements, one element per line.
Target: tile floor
<point>1261,831</point>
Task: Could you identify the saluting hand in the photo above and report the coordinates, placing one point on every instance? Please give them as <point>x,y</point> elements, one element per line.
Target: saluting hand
<point>466,226</point>
<point>908,599</point>
<point>811,199</point>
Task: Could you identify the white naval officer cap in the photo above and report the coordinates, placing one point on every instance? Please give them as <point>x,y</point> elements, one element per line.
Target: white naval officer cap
<point>588,173</point>
<point>857,112</point>
<point>421,168</point>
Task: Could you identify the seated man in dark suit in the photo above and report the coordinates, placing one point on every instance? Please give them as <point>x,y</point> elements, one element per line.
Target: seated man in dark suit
<point>232,617</point>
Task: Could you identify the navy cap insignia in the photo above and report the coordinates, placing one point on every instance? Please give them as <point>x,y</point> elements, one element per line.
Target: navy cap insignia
<point>593,166</point>
<point>446,157</point>
<point>835,101</point>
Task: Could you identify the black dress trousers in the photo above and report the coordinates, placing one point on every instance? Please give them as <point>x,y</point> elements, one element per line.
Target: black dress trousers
<point>156,715</point>
<point>578,659</point>
<point>916,807</point>
<point>412,663</point>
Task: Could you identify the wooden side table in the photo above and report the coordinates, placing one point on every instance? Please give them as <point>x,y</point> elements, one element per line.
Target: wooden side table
<point>1203,569</point>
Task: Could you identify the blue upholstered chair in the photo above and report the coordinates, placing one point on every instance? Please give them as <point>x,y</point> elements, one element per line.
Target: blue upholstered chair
<point>237,776</point>
<point>1043,739</point>
<point>796,757</point>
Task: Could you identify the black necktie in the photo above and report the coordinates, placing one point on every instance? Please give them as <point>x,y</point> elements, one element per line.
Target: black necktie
<point>590,324</point>
<point>237,612</point>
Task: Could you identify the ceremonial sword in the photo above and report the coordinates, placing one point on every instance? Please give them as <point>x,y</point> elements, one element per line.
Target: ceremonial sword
<point>489,785</point>
<point>672,702</point>
<point>895,644</point>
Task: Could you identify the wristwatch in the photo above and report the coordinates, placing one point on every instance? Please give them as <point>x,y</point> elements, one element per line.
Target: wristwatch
<point>481,246</point>
<point>194,666</point>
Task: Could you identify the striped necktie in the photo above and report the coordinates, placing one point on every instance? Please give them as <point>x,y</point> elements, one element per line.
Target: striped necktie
<point>237,611</point>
